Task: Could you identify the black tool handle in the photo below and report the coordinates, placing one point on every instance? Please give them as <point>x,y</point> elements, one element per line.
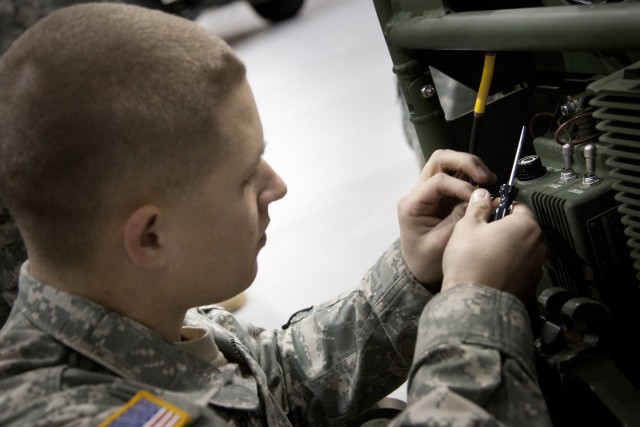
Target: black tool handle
<point>508,194</point>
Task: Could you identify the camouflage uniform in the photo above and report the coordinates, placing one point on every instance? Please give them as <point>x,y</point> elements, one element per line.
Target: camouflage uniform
<point>66,359</point>
<point>12,255</point>
<point>15,17</point>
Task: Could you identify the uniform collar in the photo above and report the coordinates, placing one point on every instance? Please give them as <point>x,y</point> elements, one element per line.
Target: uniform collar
<point>122,345</point>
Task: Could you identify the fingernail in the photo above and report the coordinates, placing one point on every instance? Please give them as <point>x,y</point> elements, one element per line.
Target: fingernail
<point>479,194</point>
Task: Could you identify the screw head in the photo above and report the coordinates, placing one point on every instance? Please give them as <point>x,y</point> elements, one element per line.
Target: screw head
<point>428,91</point>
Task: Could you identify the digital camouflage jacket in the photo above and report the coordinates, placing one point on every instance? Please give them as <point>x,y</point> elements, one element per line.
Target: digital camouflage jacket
<point>64,359</point>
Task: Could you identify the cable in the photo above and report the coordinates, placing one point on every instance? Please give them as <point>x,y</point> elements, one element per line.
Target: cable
<point>571,121</point>
<point>535,119</point>
<point>481,99</point>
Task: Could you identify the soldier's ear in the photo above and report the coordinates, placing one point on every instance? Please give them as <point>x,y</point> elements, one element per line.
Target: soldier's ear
<point>143,239</point>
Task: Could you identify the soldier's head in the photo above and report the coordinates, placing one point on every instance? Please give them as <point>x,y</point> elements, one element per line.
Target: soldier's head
<point>110,111</point>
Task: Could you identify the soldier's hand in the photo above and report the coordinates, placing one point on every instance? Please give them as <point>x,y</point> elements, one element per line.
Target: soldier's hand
<point>429,212</point>
<point>505,254</point>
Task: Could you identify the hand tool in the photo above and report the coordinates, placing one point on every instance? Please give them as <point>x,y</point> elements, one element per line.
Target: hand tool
<point>508,191</point>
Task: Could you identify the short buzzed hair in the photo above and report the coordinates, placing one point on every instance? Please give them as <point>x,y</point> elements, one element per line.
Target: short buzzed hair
<point>106,106</point>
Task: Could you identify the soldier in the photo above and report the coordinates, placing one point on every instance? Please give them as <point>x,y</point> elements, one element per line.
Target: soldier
<point>15,17</point>
<point>132,162</point>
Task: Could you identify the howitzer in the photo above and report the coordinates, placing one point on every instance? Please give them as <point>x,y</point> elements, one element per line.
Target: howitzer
<point>570,72</point>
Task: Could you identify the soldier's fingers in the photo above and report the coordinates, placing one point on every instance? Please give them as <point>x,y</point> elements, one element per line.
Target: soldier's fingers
<point>479,208</point>
<point>458,163</point>
<point>442,185</point>
<point>521,209</point>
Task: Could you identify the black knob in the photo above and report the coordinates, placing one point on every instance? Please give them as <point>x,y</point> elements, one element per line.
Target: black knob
<point>530,167</point>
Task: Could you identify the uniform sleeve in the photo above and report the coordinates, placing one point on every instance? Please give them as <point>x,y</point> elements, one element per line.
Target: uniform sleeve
<point>12,254</point>
<point>474,363</point>
<point>331,362</point>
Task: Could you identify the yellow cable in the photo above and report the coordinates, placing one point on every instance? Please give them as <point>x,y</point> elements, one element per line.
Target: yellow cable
<point>485,83</point>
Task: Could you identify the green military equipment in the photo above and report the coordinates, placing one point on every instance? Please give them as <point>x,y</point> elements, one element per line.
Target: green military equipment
<point>570,71</point>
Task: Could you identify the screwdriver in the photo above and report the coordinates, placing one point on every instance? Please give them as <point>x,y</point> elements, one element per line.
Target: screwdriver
<point>508,191</point>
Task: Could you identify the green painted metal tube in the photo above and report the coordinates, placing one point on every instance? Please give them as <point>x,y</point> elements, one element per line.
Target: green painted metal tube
<point>425,114</point>
<point>604,27</point>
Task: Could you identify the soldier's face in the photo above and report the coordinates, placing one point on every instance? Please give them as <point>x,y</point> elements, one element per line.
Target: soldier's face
<point>225,222</point>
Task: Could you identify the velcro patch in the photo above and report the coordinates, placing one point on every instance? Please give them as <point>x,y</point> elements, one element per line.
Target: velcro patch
<point>147,410</point>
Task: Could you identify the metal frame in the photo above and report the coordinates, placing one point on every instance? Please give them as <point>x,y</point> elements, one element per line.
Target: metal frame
<point>413,27</point>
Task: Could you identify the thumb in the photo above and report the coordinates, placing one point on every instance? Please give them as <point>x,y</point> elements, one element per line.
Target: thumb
<point>479,207</point>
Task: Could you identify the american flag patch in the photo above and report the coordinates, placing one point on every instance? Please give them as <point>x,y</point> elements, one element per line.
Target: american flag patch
<point>147,410</point>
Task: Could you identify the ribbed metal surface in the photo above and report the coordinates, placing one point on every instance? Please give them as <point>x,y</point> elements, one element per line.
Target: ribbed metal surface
<point>619,120</point>
<point>552,219</point>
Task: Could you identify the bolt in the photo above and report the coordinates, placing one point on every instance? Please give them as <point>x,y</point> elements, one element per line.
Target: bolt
<point>428,91</point>
<point>569,108</point>
<point>590,178</point>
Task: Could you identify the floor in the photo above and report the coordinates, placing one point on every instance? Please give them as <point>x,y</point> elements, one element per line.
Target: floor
<point>327,97</point>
